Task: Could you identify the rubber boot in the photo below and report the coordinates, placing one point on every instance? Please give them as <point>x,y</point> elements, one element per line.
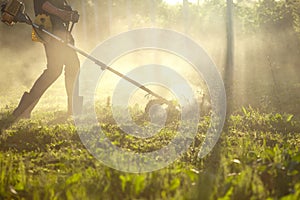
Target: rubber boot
<point>75,105</point>
<point>25,107</point>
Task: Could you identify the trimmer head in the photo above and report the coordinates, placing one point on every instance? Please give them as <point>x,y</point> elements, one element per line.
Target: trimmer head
<point>171,109</point>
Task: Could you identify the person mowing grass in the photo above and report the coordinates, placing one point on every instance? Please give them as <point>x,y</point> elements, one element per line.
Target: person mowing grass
<point>55,16</point>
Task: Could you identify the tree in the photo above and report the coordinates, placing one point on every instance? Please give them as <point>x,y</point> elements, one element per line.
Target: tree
<point>229,55</point>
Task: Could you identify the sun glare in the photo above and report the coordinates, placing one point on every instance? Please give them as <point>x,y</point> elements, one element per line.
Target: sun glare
<point>174,2</point>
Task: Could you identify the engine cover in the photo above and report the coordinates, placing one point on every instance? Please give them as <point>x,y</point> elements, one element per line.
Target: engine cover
<point>10,10</point>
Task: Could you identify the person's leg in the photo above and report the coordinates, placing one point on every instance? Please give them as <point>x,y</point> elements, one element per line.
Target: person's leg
<point>53,71</point>
<point>72,67</point>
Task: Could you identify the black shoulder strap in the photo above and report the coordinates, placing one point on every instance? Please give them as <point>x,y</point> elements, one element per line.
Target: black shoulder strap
<point>67,4</point>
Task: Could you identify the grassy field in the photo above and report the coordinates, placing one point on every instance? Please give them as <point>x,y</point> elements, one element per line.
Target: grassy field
<point>257,157</point>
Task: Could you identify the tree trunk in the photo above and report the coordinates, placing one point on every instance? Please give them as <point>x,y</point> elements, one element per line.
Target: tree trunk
<point>229,65</point>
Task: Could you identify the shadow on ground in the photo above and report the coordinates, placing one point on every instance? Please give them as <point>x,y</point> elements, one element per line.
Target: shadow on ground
<point>37,134</point>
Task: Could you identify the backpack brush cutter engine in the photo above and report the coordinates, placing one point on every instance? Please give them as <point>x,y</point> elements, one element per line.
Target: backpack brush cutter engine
<point>13,11</point>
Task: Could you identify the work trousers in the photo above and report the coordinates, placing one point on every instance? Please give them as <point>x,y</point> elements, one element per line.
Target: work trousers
<point>59,57</point>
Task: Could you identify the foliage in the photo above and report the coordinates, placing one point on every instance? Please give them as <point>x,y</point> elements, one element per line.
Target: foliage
<point>257,157</point>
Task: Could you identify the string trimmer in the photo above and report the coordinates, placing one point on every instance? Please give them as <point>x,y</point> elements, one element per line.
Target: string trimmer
<point>13,11</point>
